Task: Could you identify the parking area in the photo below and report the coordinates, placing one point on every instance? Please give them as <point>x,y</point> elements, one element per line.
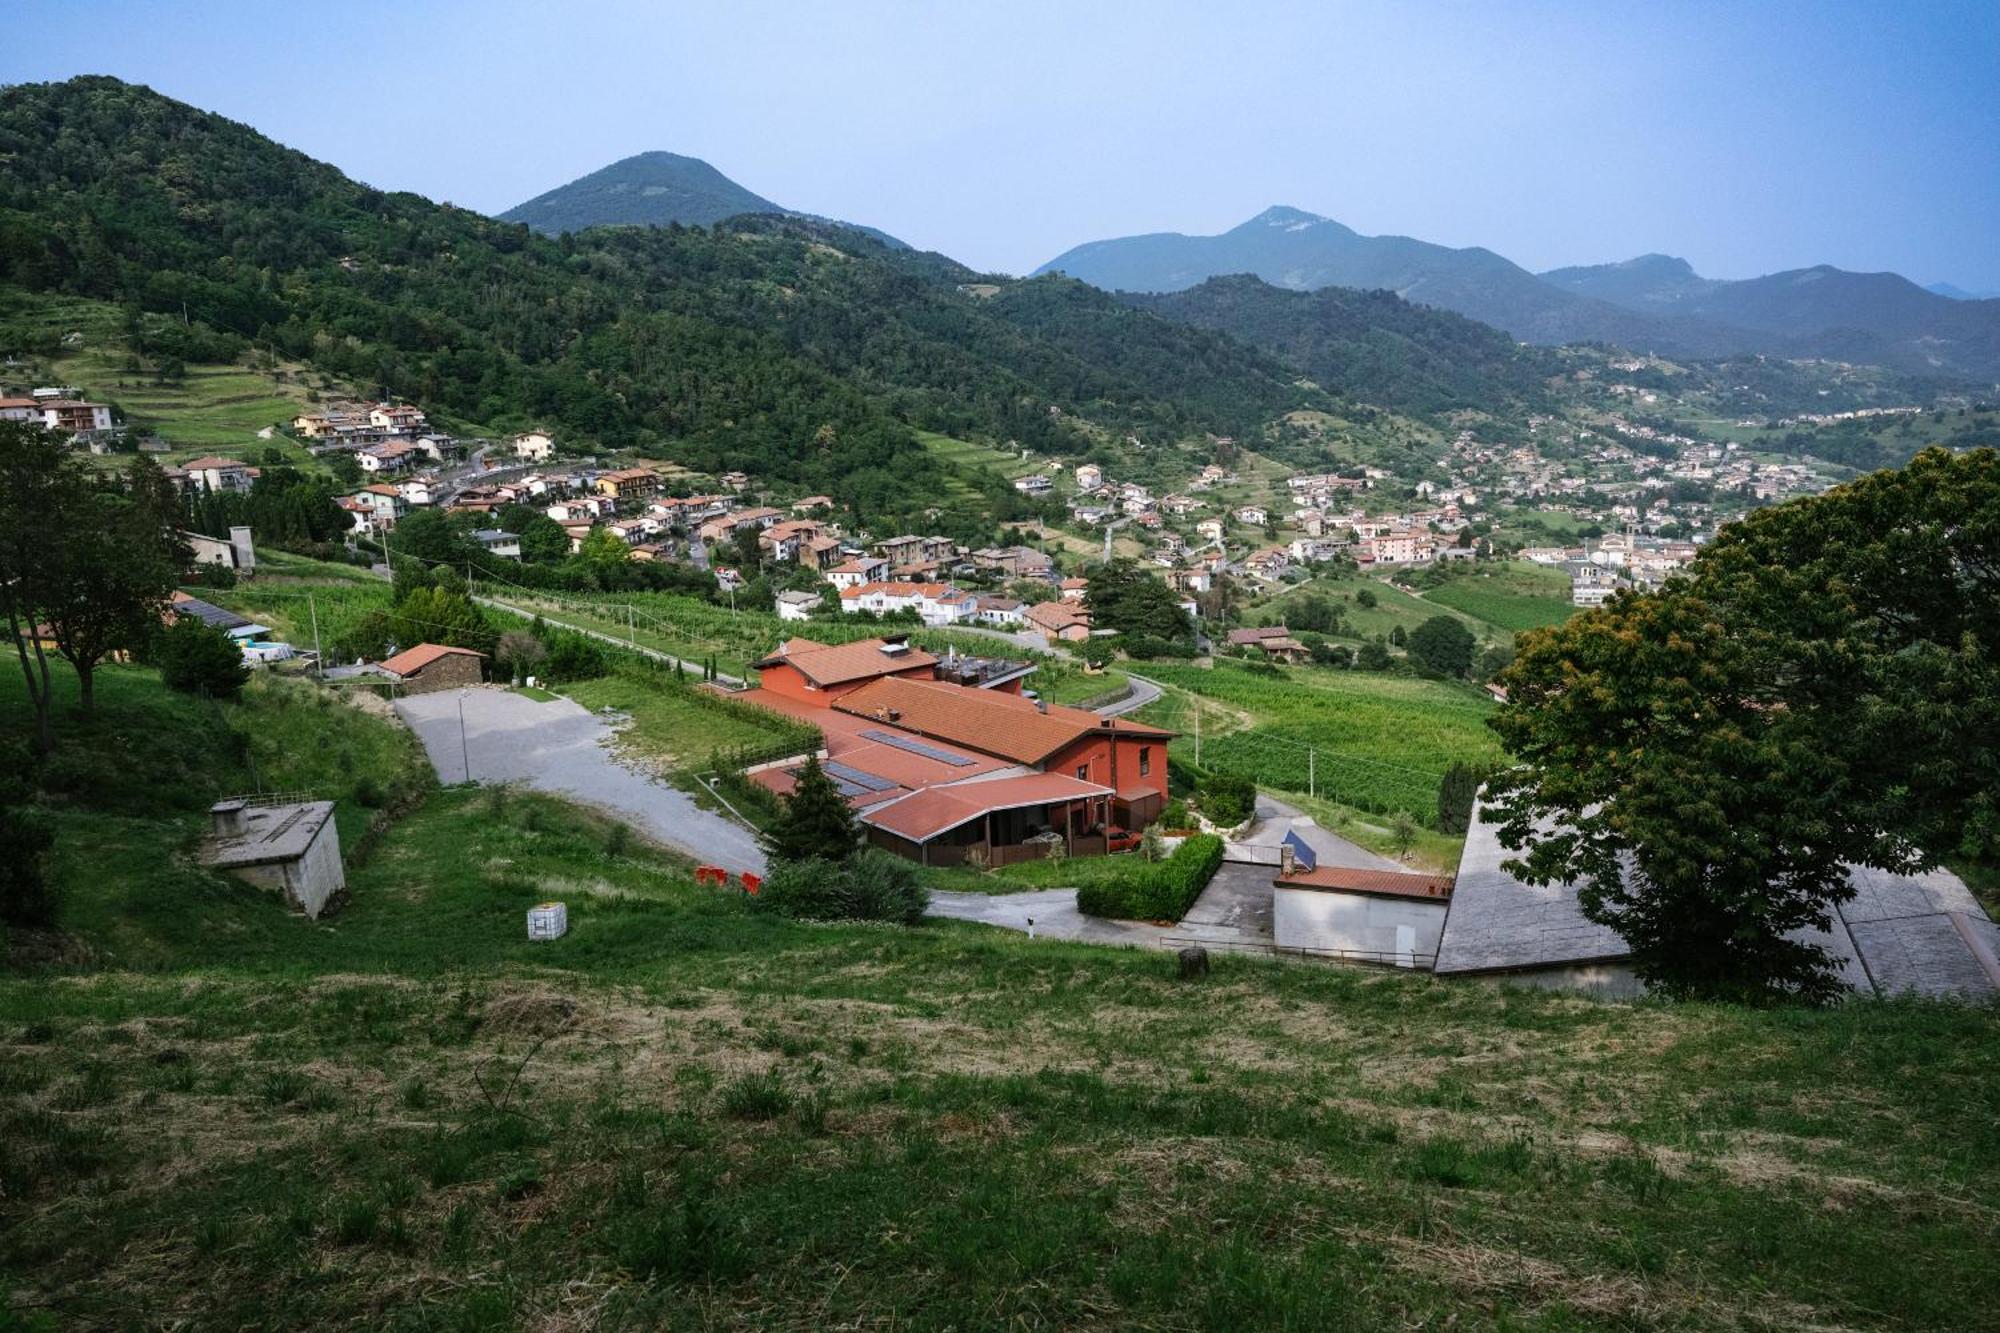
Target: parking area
<point>494,735</point>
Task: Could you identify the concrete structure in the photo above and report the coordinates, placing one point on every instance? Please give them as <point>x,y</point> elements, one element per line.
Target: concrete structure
<point>1374,916</point>
<point>433,666</point>
<point>286,843</point>
<point>1925,934</point>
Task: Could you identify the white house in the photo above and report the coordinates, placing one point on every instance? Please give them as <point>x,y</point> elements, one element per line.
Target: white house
<point>794,605</point>
<point>534,445</point>
<point>862,569</point>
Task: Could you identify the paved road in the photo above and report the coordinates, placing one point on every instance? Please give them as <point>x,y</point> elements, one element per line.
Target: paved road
<point>562,748</point>
<point>1275,818</point>
<point>1143,692</point>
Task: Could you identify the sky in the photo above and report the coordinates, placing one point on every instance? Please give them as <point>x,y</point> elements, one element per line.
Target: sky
<point>1744,137</point>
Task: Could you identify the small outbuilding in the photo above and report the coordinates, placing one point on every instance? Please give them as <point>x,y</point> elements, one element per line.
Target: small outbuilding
<point>288,843</point>
<point>1376,916</point>
<point>434,666</point>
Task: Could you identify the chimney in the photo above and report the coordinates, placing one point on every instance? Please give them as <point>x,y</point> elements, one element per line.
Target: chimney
<point>246,554</point>
<point>1288,860</point>
<point>226,817</point>
<point>1041,704</point>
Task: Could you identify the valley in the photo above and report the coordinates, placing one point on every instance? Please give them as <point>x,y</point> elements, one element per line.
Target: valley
<point>655,759</point>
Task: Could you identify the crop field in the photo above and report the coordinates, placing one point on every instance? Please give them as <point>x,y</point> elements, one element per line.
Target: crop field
<point>1515,597</point>
<point>690,1112</point>
<point>1374,742</point>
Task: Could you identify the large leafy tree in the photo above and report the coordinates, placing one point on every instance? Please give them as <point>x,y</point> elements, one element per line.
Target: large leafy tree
<point>1821,690</point>
<point>37,485</point>
<point>1443,645</point>
<point>1123,597</point>
<point>86,563</point>
<point>1872,614</point>
<point>104,584</point>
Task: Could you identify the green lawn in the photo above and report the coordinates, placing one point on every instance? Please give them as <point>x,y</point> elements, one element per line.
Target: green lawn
<point>689,1112</point>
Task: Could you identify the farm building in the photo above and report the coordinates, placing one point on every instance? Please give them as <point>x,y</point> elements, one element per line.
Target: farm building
<point>433,666</point>
<point>948,761</point>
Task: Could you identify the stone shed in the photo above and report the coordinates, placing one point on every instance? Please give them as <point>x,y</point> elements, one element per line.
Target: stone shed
<point>433,666</point>
<point>288,843</point>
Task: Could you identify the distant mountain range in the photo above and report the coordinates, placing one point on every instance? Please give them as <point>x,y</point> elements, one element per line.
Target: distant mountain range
<point>653,190</point>
<point>1654,303</point>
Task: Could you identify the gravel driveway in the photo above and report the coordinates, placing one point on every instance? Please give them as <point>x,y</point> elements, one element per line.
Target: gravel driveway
<point>561,748</point>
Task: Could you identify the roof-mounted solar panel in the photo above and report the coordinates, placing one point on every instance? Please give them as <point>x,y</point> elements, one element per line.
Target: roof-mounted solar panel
<point>855,777</point>
<point>917,747</point>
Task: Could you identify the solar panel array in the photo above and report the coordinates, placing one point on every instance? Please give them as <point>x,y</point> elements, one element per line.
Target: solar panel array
<point>853,782</point>
<point>917,747</point>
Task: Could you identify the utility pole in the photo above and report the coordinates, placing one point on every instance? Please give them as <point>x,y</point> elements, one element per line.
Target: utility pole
<point>464,755</point>
<point>1312,772</point>
<point>631,631</point>
<point>1197,731</point>
<point>319,662</point>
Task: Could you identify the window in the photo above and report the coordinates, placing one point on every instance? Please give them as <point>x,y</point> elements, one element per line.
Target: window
<point>1083,772</point>
<point>1145,760</point>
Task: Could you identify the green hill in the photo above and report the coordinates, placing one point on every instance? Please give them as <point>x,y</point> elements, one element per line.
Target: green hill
<point>720,349</point>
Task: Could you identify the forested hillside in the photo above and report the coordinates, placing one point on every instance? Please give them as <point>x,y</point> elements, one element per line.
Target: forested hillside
<point>1370,345</point>
<point>718,348</point>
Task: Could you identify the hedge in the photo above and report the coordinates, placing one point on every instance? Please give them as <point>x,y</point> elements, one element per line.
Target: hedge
<point>1156,890</point>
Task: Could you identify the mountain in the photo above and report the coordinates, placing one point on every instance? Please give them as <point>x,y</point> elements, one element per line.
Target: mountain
<point>1371,345</point>
<point>1870,317</point>
<point>651,190</point>
<point>803,352</point>
<point>1288,247</point>
<point>1957,293</point>
<point>1654,303</point>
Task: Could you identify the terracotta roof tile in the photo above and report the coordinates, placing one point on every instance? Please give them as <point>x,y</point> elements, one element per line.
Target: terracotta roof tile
<point>421,656</point>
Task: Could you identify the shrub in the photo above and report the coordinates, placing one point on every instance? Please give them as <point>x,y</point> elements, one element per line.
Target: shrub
<point>1226,800</point>
<point>27,897</point>
<point>200,659</point>
<point>1158,890</point>
<point>871,885</point>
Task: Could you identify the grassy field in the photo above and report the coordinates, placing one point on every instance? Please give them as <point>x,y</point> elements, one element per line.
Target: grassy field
<point>691,1113</point>
<point>673,725</point>
<point>1513,596</point>
<point>1376,742</point>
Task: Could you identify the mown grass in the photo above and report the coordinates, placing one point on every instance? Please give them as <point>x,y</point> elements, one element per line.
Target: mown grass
<point>689,1112</point>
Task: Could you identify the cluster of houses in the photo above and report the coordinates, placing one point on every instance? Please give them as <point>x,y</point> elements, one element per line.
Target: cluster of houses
<point>1599,568</point>
<point>54,407</point>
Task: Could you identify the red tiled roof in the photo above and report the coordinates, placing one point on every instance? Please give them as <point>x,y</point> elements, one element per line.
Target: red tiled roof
<point>1388,883</point>
<point>208,461</point>
<point>421,656</point>
<point>989,721</point>
<point>923,815</point>
<point>842,663</point>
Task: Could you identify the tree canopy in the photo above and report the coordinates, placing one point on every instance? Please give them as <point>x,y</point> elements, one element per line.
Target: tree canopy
<point>1821,690</point>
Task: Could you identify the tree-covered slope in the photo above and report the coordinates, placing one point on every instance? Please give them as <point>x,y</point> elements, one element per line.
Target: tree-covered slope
<point>723,347</point>
<point>648,189</point>
<point>1371,345</point>
<point>652,190</point>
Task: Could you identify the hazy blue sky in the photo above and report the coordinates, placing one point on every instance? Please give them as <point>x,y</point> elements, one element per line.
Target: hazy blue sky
<point>1746,136</point>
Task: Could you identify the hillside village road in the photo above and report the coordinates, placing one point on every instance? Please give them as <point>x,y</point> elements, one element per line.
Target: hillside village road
<point>562,748</point>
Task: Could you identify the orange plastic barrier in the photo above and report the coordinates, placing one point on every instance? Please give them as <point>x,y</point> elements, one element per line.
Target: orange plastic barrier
<point>710,875</point>
<point>752,883</point>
